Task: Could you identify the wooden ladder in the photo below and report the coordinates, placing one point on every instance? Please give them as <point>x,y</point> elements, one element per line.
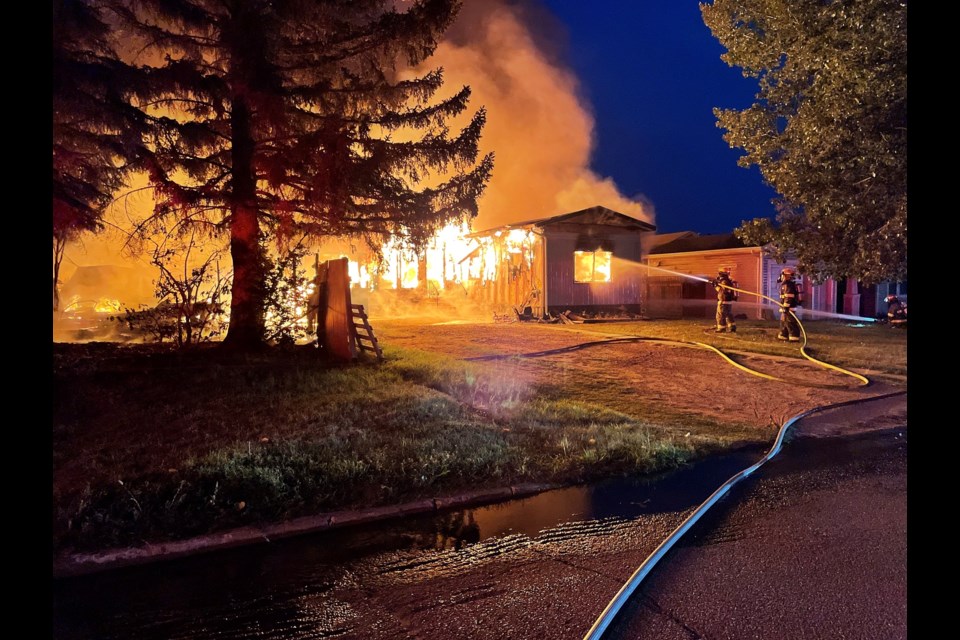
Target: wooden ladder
<point>361,333</point>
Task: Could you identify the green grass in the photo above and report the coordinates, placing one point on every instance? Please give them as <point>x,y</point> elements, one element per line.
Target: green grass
<point>153,445</point>
<point>877,347</point>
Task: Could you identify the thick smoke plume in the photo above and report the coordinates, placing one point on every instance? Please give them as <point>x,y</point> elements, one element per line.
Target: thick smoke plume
<point>539,126</point>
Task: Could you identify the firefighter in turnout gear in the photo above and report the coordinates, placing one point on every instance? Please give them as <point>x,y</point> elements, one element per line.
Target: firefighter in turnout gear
<point>789,299</point>
<point>725,299</point>
<point>896,311</point>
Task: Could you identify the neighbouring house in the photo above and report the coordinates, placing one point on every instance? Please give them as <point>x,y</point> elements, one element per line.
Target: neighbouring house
<point>586,261</point>
<point>674,296</point>
<point>873,301</point>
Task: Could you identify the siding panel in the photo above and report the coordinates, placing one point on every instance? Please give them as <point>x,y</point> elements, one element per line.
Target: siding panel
<point>625,284</point>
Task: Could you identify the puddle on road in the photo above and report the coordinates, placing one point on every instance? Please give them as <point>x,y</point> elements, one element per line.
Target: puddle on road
<point>217,594</point>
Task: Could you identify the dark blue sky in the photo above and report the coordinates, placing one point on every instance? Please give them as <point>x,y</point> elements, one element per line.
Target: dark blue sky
<point>652,73</point>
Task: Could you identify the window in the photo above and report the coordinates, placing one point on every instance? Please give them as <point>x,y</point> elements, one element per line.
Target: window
<point>592,266</point>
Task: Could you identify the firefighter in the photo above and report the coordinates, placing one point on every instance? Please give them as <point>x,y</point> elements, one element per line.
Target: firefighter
<point>896,310</point>
<point>789,300</point>
<point>725,298</point>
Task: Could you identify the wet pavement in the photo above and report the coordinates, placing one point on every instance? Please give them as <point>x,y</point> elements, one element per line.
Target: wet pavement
<point>814,545</point>
<point>541,567</point>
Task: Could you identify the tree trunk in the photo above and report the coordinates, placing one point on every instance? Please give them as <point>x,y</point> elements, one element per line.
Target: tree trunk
<point>59,244</point>
<point>422,284</point>
<point>246,308</point>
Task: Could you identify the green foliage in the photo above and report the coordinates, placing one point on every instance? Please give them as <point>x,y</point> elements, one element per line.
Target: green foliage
<point>287,297</point>
<point>420,425</point>
<point>828,129</point>
<point>191,296</point>
<point>272,119</point>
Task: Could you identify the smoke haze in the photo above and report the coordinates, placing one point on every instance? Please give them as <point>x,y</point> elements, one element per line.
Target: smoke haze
<point>539,126</point>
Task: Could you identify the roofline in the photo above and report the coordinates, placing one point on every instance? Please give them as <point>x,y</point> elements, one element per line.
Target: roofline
<point>732,249</point>
<point>680,233</point>
<point>503,227</point>
<point>560,218</point>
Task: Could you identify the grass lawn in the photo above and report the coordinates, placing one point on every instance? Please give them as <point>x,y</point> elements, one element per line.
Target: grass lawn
<point>871,346</point>
<point>153,444</point>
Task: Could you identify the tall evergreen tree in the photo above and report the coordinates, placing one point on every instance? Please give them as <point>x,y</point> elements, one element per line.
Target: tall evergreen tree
<point>828,129</point>
<point>281,117</point>
<point>96,137</point>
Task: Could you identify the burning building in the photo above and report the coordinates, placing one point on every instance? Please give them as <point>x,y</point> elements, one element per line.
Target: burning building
<point>583,261</point>
<point>574,261</point>
<point>95,293</point>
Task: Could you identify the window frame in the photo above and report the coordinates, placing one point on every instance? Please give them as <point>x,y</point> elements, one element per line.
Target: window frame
<point>593,266</point>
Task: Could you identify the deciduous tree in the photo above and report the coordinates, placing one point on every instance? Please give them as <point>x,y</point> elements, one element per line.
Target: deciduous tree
<point>828,129</point>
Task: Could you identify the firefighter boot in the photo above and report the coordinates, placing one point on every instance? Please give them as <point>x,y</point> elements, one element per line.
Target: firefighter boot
<point>720,329</point>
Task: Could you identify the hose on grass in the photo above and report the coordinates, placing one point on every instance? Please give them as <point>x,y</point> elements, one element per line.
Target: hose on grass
<point>610,612</point>
<point>863,380</point>
<point>629,339</point>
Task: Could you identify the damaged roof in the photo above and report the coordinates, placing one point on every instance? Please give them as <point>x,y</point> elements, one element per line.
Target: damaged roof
<point>591,215</point>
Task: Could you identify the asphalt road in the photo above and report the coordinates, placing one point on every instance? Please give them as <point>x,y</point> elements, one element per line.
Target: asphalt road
<point>812,546</point>
<point>815,547</point>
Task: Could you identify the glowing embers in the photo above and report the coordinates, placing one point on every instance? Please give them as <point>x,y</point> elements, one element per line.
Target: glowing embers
<point>518,241</point>
<point>76,308</point>
<point>399,268</point>
<point>107,305</point>
<point>592,266</point>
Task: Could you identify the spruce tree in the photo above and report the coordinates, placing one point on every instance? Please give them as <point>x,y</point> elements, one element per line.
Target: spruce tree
<point>96,133</point>
<point>270,118</point>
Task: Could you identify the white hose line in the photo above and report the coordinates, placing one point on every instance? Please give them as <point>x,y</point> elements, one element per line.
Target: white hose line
<point>610,612</point>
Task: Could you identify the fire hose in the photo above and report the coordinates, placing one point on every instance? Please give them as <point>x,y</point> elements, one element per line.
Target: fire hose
<point>610,612</point>
<point>803,347</point>
<point>631,339</point>
<point>864,381</point>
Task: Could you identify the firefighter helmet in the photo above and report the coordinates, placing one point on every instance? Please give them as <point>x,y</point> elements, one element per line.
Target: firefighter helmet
<point>788,271</point>
<point>723,271</point>
<point>891,298</point>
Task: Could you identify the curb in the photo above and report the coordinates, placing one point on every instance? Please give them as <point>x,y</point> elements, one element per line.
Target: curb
<point>77,564</point>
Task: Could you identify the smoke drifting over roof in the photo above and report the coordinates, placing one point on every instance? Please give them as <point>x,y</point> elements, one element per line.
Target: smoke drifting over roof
<point>539,126</point>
